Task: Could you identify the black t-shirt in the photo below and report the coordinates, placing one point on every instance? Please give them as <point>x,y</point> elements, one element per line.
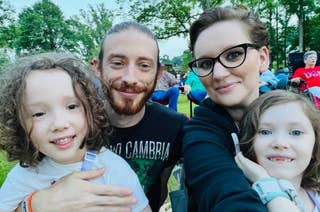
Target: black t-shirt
<point>152,148</point>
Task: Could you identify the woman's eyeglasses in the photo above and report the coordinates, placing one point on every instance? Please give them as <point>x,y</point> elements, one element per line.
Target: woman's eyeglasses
<point>230,58</point>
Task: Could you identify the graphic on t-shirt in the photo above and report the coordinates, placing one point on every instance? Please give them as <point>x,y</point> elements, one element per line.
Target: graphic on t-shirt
<point>146,158</point>
<point>311,73</point>
<point>147,171</point>
<point>153,150</point>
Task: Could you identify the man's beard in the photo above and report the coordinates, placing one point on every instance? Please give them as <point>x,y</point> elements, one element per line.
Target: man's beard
<point>128,107</point>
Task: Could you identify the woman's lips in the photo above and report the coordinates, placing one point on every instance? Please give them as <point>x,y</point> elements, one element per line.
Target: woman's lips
<point>225,88</point>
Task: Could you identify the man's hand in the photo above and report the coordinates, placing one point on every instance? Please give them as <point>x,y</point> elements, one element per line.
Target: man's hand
<point>251,170</point>
<point>187,89</point>
<point>295,81</point>
<point>262,83</point>
<point>75,193</point>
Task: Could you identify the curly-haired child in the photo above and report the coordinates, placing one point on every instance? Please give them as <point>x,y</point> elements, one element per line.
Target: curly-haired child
<point>53,121</point>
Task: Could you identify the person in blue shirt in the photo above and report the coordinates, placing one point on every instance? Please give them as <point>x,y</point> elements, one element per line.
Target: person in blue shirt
<point>194,87</point>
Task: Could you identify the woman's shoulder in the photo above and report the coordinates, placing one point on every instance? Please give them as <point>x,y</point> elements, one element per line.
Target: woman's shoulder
<point>210,122</point>
<point>210,112</point>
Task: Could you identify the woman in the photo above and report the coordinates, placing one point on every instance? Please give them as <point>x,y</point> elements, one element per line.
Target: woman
<point>229,45</point>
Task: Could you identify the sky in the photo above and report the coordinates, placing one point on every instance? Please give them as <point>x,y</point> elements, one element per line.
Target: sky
<point>171,47</point>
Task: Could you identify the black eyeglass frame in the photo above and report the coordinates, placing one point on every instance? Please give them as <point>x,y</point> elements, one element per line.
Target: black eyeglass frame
<point>215,59</point>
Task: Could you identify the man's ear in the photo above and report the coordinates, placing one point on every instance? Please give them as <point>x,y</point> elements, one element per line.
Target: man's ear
<point>96,67</point>
<point>160,72</point>
<point>264,59</point>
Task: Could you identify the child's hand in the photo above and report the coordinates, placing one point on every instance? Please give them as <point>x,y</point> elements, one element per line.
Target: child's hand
<point>251,170</point>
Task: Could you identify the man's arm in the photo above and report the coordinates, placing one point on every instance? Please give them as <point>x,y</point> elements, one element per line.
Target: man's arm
<point>75,193</point>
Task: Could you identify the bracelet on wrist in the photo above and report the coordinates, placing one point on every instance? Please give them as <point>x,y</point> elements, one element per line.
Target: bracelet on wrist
<point>268,189</point>
<point>26,204</point>
<point>287,187</point>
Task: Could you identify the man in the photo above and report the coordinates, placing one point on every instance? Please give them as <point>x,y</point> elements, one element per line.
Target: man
<point>128,67</point>
<point>167,89</point>
<point>310,74</point>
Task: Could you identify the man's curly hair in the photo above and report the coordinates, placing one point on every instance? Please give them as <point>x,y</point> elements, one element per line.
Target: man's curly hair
<point>14,137</point>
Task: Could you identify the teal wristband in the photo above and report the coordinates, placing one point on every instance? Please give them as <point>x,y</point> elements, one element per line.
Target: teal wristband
<point>287,187</point>
<point>268,189</point>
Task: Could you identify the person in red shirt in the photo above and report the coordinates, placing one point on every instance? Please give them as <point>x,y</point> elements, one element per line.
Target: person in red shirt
<point>310,74</point>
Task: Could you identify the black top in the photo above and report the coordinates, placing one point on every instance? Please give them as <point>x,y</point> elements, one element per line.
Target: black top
<point>214,180</point>
<point>152,148</point>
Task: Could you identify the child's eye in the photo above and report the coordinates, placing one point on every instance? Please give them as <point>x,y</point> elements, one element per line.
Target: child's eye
<point>72,106</point>
<point>38,114</point>
<point>264,132</point>
<point>296,132</point>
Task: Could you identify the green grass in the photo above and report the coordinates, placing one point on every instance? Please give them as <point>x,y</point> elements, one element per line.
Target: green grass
<point>184,105</point>
<point>5,167</point>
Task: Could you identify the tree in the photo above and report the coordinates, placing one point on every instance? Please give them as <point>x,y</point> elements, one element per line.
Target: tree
<point>4,59</point>
<point>6,13</point>
<point>87,30</point>
<point>41,28</point>
<point>167,18</point>
<point>8,29</point>
<point>312,32</point>
<point>300,9</point>
<point>186,58</point>
<point>165,60</point>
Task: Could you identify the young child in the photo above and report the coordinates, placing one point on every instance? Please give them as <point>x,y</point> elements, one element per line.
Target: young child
<point>53,122</point>
<point>280,132</point>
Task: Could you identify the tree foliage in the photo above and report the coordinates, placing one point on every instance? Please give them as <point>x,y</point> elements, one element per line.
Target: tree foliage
<point>6,13</point>
<point>4,59</point>
<point>166,18</point>
<point>41,28</point>
<point>8,28</point>
<point>86,31</point>
<point>301,9</point>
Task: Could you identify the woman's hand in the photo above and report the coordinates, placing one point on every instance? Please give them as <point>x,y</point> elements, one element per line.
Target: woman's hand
<point>251,170</point>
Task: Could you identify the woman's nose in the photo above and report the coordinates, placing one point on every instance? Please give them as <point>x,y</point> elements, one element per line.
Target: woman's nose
<point>219,71</point>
